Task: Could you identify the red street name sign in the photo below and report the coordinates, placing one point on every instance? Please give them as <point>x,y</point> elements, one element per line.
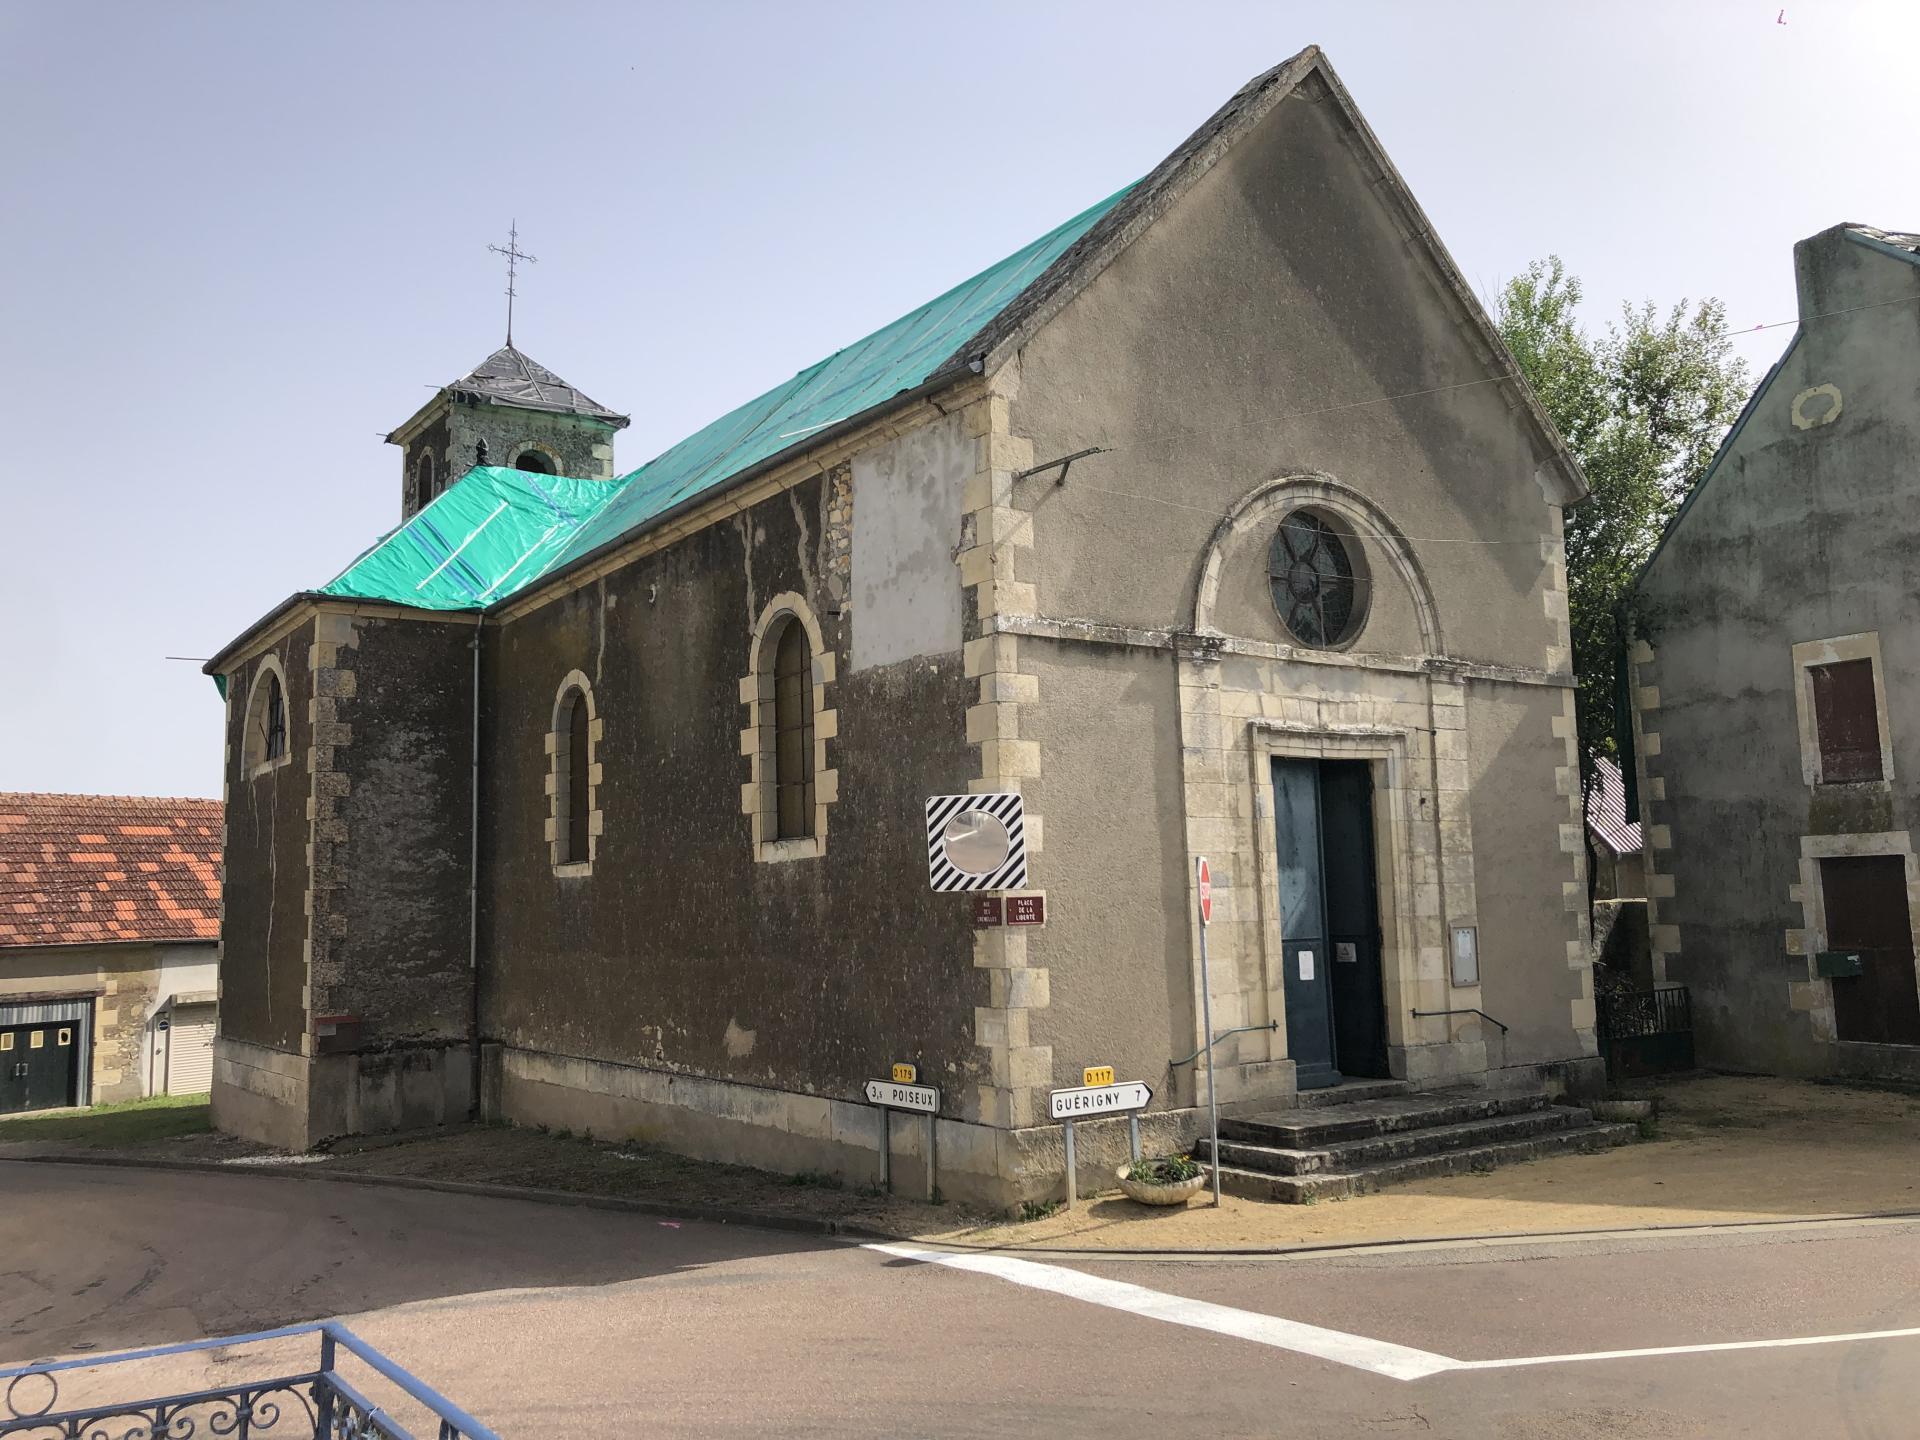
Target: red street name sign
<point>1206,892</point>
<point>988,910</point>
<point>1026,909</point>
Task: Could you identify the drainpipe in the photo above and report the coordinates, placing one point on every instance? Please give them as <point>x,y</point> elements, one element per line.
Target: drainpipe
<point>473,898</point>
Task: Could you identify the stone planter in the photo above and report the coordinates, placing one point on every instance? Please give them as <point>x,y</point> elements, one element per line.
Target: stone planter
<point>1177,1193</point>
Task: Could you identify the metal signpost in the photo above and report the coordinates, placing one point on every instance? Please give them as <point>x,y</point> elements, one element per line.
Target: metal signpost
<point>1204,875</point>
<point>899,1094</point>
<point>1104,1098</point>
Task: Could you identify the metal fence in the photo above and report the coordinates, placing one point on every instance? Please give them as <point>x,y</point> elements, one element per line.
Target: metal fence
<point>1646,1032</point>
<point>319,1403</point>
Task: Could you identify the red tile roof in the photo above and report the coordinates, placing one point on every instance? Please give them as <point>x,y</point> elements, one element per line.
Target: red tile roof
<point>93,869</point>
<point>1607,810</point>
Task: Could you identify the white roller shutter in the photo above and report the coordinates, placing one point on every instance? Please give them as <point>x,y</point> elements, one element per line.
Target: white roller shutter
<point>190,1050</point>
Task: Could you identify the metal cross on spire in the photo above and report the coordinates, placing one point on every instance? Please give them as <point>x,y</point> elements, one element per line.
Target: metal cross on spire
<point>514,255</point>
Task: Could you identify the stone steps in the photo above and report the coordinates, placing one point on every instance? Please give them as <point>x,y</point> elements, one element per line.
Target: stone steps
<point>1349,1091</point>
<point>1352,1146</point>
<point>1318,1126</point>
<point>1399,1144</point>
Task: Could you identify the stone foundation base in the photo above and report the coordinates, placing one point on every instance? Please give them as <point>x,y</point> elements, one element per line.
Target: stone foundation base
<point>294,1102</point>
<point>783,1131</point>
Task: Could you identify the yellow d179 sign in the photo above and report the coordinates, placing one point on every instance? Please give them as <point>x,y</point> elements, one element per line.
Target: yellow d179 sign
<point>1097,1075</point>
<point>905,1074</point>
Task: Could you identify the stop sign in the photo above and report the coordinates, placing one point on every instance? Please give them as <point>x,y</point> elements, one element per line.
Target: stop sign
<point>1206,892</point>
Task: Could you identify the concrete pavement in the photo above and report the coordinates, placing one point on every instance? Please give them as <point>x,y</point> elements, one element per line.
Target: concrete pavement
<point>545,1320</point>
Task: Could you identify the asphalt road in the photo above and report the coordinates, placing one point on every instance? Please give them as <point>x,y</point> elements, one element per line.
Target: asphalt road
<point>550,1320</point>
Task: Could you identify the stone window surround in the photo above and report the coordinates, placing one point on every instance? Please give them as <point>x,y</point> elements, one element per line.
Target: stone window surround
<point>759,799</point>
<point>1806,655</point>
<point>1810,993</point>
<point>558,745</point>
<point>521,447</point>
<point>1399,782</point>
<point>269,664</point>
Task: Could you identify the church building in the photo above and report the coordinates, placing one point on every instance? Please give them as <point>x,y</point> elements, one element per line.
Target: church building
<point>1215,522</point>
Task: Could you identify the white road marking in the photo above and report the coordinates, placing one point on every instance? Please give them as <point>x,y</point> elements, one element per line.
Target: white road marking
<point>1379,1357</point>
<point>1906,1334</point>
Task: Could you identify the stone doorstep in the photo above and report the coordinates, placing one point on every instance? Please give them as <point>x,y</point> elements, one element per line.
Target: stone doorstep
<point>1297,1189</point>
<point>1360,1120</point>
<point>1349,1091</point>
<point>1400,1144</point>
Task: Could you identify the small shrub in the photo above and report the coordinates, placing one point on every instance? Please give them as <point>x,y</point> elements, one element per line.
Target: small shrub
<point>1649,1129</point>
<point>1037,1209</point>
<point>815,1177</point>
<point>1163,1170</point>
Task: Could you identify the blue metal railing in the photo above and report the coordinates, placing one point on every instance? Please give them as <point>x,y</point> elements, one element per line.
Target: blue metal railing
<point>329,1406</point>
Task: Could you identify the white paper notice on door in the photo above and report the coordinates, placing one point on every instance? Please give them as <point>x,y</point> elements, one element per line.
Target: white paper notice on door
<point>1306,964</point>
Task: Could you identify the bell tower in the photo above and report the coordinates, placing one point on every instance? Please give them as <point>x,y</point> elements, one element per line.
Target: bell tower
<point>509,411</point>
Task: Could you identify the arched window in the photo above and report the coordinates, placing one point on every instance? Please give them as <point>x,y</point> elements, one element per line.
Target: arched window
<point>790,786</point>
<point>577,808</point>
<point>793,733</point>
<point>535,462</point>
<point>263,742</point>
<point>1319,580</point>
<point>573,778</point>
<point>423,479</point>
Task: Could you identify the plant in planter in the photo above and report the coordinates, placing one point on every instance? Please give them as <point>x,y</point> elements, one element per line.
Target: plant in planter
<point>1161,1180</point>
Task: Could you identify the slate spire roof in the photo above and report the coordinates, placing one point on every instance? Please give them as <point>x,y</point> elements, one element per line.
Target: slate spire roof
<point>508,377</point>
<point>94,869</point>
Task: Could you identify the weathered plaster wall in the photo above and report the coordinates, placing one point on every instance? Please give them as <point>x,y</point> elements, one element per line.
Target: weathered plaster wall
<point>125,981</point>
<point>1282,284</point>
<point>680,952</point>
<point>1535,962</point>
<point>1116,948</point>
<point>393,831</point>
<point>1802,533</point>
<point>1234,346</point>
<point>263,932</point>
<point>905,529</point>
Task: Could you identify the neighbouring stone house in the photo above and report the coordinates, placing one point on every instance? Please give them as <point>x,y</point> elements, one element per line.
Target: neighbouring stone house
<point>1779,628</point>
<point>109,918</point>
<point>1214,522</point>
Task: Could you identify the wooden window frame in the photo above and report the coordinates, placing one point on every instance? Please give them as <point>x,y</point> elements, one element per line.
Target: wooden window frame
<point>1812,655</point>
<point>760,738</point>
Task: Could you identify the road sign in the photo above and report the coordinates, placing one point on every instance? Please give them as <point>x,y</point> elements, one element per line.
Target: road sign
<point>1026,909</point>
<point>1089,1101</point>
<point>905,1074</point>
<point>977,842</point>
<point>1097,1075</point>
<point>892,1096</point>
<point>1206,892</point>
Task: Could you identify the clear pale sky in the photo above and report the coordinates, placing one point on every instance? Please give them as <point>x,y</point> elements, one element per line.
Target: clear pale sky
<point>241,241</point>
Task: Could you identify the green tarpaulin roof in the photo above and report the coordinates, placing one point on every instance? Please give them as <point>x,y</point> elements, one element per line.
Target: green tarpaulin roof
<point>497,531</point>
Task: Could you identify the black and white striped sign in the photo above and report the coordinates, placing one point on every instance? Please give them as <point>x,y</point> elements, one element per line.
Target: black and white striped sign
<point>977,842</point>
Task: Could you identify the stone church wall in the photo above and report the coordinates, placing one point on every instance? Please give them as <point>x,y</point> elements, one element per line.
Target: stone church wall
<point>263,933</point>
<point>682,956</point>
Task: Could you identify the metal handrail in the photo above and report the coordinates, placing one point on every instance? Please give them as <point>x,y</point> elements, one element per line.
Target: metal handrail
<point>1469,1010</point>
<point>1237,1030</point>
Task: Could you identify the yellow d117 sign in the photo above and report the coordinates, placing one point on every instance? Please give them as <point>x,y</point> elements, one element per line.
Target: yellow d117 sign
<point>1097,1075</point>
<point>905,1074</point>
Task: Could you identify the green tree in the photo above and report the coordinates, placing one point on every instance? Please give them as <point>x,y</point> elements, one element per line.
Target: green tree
<point>1643,408</point>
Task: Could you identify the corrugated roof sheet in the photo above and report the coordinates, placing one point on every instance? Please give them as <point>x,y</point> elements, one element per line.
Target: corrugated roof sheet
<point>1607,810</point>
<point>93,869</point>
<point>438,560</point>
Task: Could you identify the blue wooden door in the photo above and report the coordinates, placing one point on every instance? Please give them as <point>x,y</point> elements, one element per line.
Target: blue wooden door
<point>1329,925</point>
<point>1303,922</point>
